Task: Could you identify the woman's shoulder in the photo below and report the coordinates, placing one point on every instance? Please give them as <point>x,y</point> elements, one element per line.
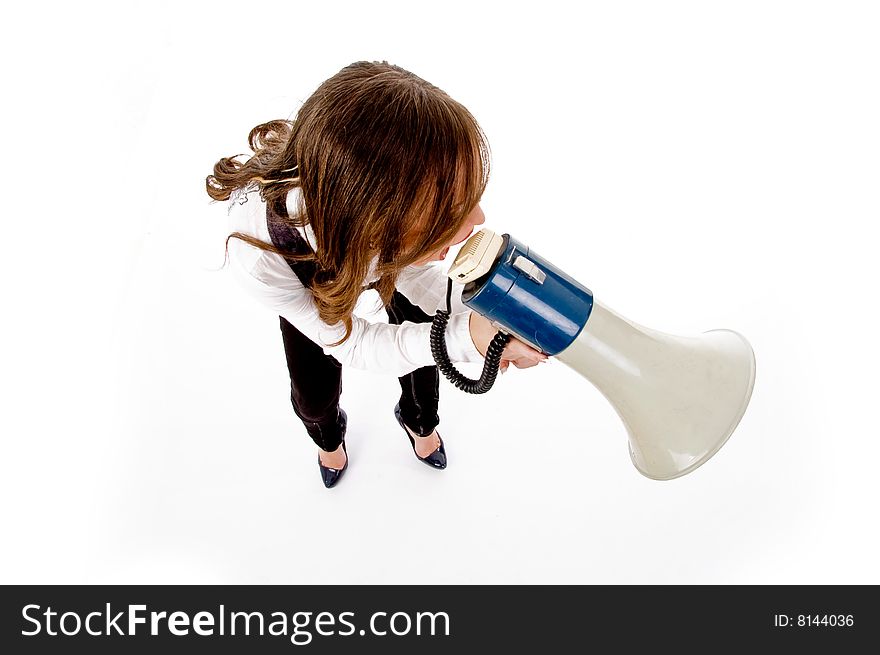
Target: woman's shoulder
<point>247,215</point>
<point>246,211</point>
<point>244,208</point>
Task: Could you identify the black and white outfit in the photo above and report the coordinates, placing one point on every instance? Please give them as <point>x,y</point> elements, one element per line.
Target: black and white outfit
<point>400,347</point>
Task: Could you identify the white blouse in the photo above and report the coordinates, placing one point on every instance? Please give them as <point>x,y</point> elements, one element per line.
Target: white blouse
<point>379,347</point>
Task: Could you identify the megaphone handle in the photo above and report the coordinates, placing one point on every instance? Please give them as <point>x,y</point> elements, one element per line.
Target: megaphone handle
<point>441,354</point>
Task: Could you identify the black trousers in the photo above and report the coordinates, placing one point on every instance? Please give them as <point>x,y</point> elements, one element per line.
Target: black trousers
<point>316,382</point>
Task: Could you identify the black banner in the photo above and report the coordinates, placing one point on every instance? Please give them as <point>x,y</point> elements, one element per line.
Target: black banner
<point>315,618</point>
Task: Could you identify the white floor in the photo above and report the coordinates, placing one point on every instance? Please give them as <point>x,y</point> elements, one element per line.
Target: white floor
<point>148,435</point>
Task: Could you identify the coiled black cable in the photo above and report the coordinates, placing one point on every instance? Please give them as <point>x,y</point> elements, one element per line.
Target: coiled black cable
<point>441,355</point>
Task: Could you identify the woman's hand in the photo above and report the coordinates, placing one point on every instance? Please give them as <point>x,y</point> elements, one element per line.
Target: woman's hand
<point>516,352</point>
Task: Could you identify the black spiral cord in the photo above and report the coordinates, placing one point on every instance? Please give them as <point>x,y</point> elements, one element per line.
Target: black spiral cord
<point>441,355</point>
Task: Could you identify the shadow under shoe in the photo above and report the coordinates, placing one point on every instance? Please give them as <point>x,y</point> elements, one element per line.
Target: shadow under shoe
<point>437,459</point>
<point>330,476</point>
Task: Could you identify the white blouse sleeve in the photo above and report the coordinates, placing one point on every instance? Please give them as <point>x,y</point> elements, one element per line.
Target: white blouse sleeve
<point>425,286</point>
<point>378,347</point>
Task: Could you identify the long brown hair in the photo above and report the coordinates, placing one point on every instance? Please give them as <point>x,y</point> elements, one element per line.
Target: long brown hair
<point>387,165</point>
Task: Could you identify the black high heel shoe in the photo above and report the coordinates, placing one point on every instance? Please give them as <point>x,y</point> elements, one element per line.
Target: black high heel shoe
<point>331,476</point>
<point>437,459</point>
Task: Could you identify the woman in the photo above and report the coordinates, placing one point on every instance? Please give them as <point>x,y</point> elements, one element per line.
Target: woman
<point>379,175</point>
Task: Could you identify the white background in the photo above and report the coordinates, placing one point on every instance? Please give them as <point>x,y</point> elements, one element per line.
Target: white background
<point>697,165</point>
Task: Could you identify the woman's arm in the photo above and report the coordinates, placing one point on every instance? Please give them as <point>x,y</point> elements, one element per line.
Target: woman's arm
<point>425,286</point>
<point>379,347</point>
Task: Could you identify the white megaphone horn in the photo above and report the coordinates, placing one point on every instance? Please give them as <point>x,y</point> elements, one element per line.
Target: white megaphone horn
<point>680,398</point>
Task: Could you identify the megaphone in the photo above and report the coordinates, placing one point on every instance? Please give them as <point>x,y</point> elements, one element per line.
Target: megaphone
<point>680,398</point>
